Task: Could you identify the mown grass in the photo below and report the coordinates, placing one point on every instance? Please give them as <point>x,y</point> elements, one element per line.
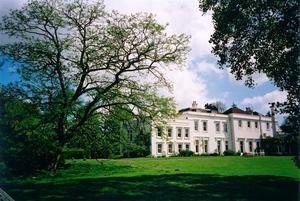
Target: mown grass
<point>195,178</point>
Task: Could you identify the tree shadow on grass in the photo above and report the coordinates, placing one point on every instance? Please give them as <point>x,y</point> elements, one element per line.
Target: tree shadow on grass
<point>163,187</point>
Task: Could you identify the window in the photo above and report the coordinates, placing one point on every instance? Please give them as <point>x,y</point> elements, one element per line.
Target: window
<point>257,146</point>
<point>186,132</point>
<point>226,145</point>
<point>204,125</point>
<point>249,124</point>
<point>268,125</point>
<point>178,132</point>
<point>256,124</point>
<point>240,123</point>
<point>169,132</point>
<point>196,125</point>
<point>205,146</point>
<point>219,146</point>
<point>225,127</point>
<point>179,147</point>
<point>159,148</point>
<point>187,147</point>
<point>241,146</point>
<point>159,131</point>
<point>217,126</point>
<point>170,148</point>
<point>250,146</point>
<point>197,147</point>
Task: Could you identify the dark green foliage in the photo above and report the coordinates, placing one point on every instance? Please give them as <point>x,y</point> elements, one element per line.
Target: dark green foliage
<point>229,153</point>
<point>26,145</point>
<point>75,153</point>
<point>260,37</point>
<point>186,153</point>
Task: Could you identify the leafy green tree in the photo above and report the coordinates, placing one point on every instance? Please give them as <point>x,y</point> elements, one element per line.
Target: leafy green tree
<point>260,37</point>
<point>75,60</point>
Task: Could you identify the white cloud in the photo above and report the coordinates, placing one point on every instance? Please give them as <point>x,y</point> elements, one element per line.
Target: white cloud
<point>259,78</point>
<point>260,103</point>
<point>207,68</point>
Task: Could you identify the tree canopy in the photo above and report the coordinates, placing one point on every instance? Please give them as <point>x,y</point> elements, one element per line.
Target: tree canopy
<point>75,60</point>
<point>259,37</point>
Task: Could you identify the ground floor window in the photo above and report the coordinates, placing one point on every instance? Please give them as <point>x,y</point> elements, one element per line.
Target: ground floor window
<point>219,146</point>
<point>170,148</point>
<point>179,147</point>
<point>187,147</point>
<point>250,146</point>
<point>159,148</point>
<point>205,146</point>
<point>197,146</point>
<point>257,146</point>
<point>241,146</point>
<point>226,145</point>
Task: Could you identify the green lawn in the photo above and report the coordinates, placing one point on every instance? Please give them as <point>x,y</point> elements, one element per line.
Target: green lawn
<point>196,178</point>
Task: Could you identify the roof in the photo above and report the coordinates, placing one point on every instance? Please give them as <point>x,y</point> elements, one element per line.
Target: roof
<point>194,110</point>
<point>237,110</point>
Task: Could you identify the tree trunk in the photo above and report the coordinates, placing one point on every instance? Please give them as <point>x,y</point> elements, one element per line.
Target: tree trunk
<point>58,158</point>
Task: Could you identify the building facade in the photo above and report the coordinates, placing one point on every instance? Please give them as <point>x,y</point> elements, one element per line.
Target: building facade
<point>207,131</point>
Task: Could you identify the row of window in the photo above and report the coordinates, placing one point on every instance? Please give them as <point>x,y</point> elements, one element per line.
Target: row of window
<point>249,123</point>
<point>180,132</point>
<point>205,128</point>
<point>187,147</point>
<point>250,145</point>
<point>170,147</point>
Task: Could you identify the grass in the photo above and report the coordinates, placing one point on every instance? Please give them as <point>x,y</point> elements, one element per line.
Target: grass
<point>196,178</point>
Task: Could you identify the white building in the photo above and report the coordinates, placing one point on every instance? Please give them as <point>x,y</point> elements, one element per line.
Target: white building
<point>207,131</point>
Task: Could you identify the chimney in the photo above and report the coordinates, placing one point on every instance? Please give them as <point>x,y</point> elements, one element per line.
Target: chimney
<point>194,105</point>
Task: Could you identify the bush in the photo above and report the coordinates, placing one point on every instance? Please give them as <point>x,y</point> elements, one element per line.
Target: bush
<point>229,153</point>
<point>186,153</point>
<point>204,154</point>
<point>214,154</point>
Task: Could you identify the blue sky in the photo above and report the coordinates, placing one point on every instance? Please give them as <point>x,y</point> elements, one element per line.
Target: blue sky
<point>200,79</point>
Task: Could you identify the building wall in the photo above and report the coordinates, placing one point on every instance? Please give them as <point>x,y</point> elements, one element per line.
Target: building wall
<point>233,135</point>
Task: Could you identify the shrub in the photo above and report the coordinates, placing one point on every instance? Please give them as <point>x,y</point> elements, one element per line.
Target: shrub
<point>229,153</point>
<point>186,153</point>
<point>214,154</point>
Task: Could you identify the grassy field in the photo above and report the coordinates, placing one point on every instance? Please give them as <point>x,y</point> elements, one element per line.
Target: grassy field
<point>196,178</point>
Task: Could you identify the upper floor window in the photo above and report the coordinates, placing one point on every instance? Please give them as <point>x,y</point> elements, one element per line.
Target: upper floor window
<point>240,123</point>
<point>225,127</point>
<point>169,132</point>
<point>268,125</point>
<point>159,131</point>
<point>204,125</point>
<point>186,132</point>
<point>196,125</point>
<point>178,132</point>
<point>248,124</point>
<point>218,126</point>
<point>256,124</point>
